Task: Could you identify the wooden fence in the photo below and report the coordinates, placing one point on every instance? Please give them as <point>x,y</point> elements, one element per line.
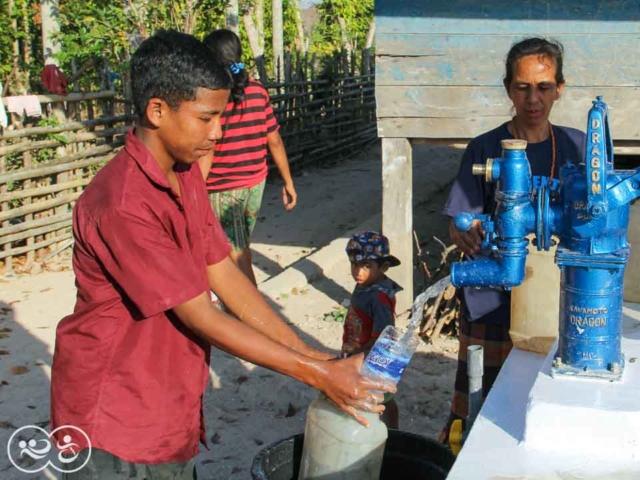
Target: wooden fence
<point>45,167</point>
<point>326,115</point>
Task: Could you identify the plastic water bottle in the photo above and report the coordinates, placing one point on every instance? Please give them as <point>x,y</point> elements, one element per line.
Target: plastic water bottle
<point>390,355</point>
<point>336,446</point>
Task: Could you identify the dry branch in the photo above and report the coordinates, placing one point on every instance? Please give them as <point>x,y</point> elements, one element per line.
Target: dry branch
<point>446,306</point>
<point>423,265</point>
<point>431,318</point>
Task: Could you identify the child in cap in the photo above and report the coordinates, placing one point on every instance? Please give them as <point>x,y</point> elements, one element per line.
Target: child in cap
<point>373,301</point>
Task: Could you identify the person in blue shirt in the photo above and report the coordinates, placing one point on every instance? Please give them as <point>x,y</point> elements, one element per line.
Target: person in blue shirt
<point>534,81</point>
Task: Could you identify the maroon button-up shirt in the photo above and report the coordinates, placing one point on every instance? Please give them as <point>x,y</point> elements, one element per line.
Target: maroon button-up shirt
<point>125,370</point>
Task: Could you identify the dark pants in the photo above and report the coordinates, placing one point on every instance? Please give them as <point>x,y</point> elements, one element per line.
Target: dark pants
<point>105,466</point>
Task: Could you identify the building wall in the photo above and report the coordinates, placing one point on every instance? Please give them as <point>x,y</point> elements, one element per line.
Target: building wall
<point>440,64</point>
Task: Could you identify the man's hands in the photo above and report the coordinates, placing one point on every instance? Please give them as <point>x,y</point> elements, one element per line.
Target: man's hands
<point>341,382</point>
<point>289,196</point>
<point>470,241</point>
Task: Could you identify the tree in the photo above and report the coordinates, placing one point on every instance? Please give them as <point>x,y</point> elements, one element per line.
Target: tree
<point>108,32</point>
<point>96,31</point>
<point>257,22</point>
<point>368,46</point>
<point>277,38</point>
<point>20,49</point>
<point>301,42</point>
<point>231,16</point>
<point>50,31</point>
<point>344,24</point>
<point>254,36</point>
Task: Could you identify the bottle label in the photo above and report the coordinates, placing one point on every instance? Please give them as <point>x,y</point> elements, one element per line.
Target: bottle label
<point>383,363</point>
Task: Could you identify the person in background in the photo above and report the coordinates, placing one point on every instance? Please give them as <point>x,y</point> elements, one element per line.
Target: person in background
<point>373,302</point>
<point>132,362</point>
<point>237,171</point>
<point>534,81</point>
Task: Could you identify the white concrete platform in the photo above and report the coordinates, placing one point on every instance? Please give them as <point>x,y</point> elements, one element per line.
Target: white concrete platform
<point>575,429</point>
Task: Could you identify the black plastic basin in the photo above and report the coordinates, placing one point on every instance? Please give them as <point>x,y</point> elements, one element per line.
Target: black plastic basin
<point>406,455</point>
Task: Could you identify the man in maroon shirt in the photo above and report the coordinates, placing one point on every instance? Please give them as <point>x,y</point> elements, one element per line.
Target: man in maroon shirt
<point>131,363</point>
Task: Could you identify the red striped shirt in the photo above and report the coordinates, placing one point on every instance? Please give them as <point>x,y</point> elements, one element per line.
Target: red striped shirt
<point>240,156</point>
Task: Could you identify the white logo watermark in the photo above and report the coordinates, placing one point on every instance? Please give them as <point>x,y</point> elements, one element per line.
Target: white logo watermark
<point>31,449</point>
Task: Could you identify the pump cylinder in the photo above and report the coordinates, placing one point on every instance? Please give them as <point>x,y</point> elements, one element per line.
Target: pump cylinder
<point>591,291</point>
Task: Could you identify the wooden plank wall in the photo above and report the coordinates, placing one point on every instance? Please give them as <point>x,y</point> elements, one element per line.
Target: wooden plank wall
<point>440,65</point>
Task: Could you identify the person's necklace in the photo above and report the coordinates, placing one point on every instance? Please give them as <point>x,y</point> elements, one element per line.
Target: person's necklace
<point>516,135</point>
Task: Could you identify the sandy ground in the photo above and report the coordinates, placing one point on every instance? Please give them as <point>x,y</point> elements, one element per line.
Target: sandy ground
<point>249,407</point>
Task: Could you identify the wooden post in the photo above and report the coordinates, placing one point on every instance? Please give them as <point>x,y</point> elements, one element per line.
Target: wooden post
<point>31,254</point>
<point>4,206</point>
<point>366,64</point>
<point>397,213</point>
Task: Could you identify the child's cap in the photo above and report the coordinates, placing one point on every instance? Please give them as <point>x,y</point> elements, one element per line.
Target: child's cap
<point>370,246</point>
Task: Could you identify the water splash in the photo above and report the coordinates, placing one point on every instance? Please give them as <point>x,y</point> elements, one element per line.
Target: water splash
<point>418,304</point>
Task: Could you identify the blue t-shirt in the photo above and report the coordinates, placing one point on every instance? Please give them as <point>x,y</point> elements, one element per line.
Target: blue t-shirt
<point>471,193</point>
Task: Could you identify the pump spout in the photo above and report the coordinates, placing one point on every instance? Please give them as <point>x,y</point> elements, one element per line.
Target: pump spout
<point>507,270</point>
<point>504,233</point>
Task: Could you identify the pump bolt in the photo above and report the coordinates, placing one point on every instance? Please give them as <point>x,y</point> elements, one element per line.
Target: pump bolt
<point>615,368</point>
<point>596,211</point>
<point>557,362</point>
<point>478,169</point>
<point>486,170</point>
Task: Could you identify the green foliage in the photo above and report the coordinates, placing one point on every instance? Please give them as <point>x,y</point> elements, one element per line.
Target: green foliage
<point>20,25</point>
<point>338,314</point>
<point>9,34</point>
<point>107,32</point>
<point>327,38</point>
<point>46,154</point>
<point>94,30</point>
<point>211,17</point>
<point>175,14</point>
<point>49,122</point>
